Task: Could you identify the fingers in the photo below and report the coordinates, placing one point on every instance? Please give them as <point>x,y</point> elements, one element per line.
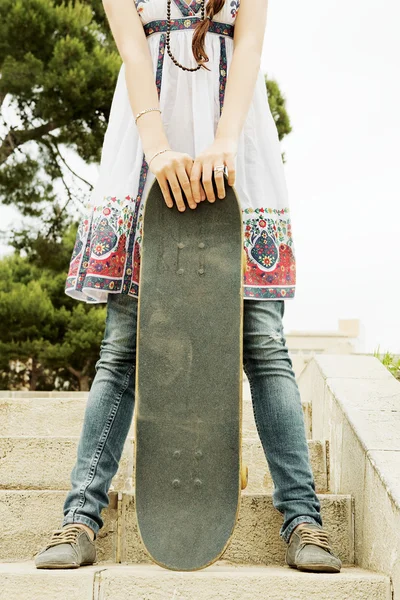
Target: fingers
<point>207,183</point>
<point>185,184</point>
<point>176,190</point>
<point>208,173</point>
<point>197,188</point>
<point>165,190</point>
<point>182,177</point>
<point>173,176</point>
<point>219,180</point>
<point>230,165</point>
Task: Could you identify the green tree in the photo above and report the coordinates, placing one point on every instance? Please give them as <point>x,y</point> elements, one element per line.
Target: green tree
<point>58,67</point>
<point>277,104</point>
<point>38,321</point>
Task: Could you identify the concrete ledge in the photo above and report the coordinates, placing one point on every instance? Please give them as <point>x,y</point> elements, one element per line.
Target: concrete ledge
<point>356,407</point>
<point>151,582</point>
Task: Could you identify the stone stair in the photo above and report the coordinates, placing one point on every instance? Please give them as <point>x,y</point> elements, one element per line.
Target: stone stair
<point>39,434</point>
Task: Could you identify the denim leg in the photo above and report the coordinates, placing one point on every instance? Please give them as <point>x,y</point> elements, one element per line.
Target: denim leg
<point>108,416</point>
<point>278,414</point>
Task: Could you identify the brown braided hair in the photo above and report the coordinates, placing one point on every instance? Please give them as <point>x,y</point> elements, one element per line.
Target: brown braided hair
<point>212,8</point>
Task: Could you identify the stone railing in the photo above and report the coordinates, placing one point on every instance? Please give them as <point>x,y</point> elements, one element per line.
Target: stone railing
<point>356,407</point>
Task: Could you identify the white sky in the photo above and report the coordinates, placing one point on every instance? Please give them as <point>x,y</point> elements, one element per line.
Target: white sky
<point>337,64</point>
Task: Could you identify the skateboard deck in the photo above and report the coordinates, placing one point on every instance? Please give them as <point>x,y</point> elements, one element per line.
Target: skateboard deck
<point>188,389</point>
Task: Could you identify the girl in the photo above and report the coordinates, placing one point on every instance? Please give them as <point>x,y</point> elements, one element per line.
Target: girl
<point>190,104</point>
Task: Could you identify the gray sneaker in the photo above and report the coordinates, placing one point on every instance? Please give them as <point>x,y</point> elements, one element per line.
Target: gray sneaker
<point>68,548</point>
<point>309,550</point>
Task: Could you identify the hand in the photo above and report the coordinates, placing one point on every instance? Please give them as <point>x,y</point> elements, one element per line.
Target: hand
<point>174,168</point>
<point>222,151</point>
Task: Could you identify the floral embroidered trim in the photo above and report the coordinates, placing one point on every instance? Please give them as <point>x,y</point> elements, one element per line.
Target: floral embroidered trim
<point>268,244</point>
<point>276,211</point>
<point>234,8</point>
<point>138,3</point>
<point>222,73</point>
<point>188,9</point>
<point>271,261</point>
<point>189,23</point>
<point>262,293</point>
<point>160,61</point>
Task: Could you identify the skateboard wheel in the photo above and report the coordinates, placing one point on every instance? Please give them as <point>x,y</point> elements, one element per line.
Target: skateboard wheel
<point>180,271</point>
<point>177,454</point>
<point>198,482</point>
<point>244,476</point>
<point>176,483</point>
<point>181,245</point>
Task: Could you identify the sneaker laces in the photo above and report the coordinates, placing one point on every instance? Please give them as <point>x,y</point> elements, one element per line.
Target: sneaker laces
<point>66,535</point>
<point>311,535</point>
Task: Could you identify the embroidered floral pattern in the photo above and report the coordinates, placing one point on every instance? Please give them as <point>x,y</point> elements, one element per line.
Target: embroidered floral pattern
<point>188,9</point>
<point>234,8</point>
<point>160,61</point>
<point>139,3</point>
<point>222,72</point>
<point>189,23</point>
<point>268,242</point>
<point>82,232</point>
<point>191,9</point>
<point>270,270</point>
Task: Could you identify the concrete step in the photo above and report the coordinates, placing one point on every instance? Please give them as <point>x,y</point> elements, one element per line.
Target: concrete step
<point>109,581</point>
<point>256,536</point>
<point>41,416</point>
<point>52,394</point>
<point>260,479</point>
<point>62,415</point>
<point>20,467</point>
<point>28,517</point>
<point>45,463</point>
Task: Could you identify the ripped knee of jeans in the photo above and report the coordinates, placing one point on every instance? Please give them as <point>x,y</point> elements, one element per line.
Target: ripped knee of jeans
<point>276,335</point>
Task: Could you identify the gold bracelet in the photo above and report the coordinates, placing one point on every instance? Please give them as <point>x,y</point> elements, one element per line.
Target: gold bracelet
<point>145,111</point>
<point>157,153</point>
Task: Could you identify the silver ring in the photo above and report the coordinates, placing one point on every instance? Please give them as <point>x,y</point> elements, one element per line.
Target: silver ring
<point>219,168</point>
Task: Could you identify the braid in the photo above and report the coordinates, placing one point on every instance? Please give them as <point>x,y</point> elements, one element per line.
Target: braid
<point>212,8</point>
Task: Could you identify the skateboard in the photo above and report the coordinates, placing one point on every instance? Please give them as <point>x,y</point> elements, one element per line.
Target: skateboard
<point>188,388</point>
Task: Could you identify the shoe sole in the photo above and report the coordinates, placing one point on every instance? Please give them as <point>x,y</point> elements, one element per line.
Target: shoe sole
<point>62,565</point>
<point>319,568</point>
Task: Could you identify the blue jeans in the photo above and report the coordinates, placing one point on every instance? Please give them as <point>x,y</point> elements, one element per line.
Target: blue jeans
<point>276,403</point>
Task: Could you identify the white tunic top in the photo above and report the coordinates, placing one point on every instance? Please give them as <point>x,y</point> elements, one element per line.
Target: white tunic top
<point>106,257</point>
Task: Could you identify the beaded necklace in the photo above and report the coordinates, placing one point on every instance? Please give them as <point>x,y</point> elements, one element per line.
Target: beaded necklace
<point>174,60</point>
